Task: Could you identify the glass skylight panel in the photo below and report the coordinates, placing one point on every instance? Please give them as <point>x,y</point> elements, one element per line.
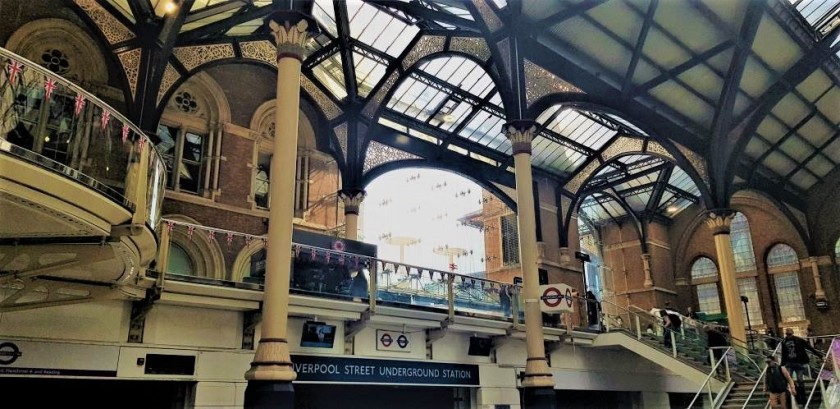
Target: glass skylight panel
<point>581,129</point>
<point>638,202</point>
<point>379,29</point>
<point>816,12</point>
<point>459,114</point>
<point>124,9</point>
<point>324,13</point>
<point>680,180</point>
<point>246,28</point>
<point>461,73</point>
<point>636,182</point>
<point>330,74</point>
<point>208,20</point>
<point>627,124</point>
<point>484,128</point>
<point>416,99</point>
<point>500,3</point>
<point>368,73</point>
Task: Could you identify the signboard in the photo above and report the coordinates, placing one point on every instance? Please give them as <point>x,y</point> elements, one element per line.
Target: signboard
<point>556,298</point>
<point>23,358</point>
<point>393,341</point>
<point>326,369</point>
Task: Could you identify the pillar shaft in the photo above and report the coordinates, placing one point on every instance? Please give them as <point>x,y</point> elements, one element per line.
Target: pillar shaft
<point>646,267</point>
<point>819,292</point>
<point>719,222</point>
<point>537,373</point>
<point>272,361</point>
<point>352,199</point>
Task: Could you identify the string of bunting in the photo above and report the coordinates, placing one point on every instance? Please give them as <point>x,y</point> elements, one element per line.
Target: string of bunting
<point>14,79</point>
<point>354,260</point>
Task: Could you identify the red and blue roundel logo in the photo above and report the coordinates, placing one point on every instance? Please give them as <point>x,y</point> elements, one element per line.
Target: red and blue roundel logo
<point>338,245</point>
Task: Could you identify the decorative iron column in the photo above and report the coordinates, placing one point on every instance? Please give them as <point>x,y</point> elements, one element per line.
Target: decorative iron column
<point>352,199</point>
<point>538,383</point>
<point>720,222</point>
<point>271,374</point>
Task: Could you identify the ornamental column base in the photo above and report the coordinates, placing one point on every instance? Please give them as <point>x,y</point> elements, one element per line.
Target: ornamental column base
<point>269,395</point>
<point>539,398</point>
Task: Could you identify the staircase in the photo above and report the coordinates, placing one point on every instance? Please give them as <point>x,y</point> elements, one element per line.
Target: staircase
<point>739,394</point>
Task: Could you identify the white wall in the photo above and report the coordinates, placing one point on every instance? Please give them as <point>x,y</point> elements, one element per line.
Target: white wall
<point>190,326</point>
<point>95,321</point>
<point>454,347</point>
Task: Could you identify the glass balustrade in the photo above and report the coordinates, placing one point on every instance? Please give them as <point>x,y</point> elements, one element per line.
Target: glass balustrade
<point>55,124</point>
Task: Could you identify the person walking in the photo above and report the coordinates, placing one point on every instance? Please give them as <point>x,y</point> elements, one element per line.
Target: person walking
<point>668,327</point>
<point>795,359</point>
<point>714,340</point>
<point>777,381</point>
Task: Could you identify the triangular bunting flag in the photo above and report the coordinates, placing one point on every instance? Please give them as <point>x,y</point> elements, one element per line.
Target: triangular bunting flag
<point>124,133</point>
<point>80,104</point>
<point>49,88</point>
<point>229,238</point>
<point>13,68</point>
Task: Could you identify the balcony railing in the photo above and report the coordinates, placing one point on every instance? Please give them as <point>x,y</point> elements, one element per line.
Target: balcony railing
<point>335,274</point>
<point>55,124</point>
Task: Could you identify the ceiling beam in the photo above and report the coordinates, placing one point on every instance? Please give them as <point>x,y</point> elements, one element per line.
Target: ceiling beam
<point>213,10</point>
<point>249,13</point>
<point>425,13</point>
<point>342,21</point>
<point>563,15</point>
<point>627,85</point>
<point>661,183</point>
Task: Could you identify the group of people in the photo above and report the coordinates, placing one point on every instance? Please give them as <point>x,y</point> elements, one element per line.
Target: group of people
<point>779,380</point>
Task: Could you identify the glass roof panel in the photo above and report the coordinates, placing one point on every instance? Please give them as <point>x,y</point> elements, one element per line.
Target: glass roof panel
<point>449,7</point>
<point>416,99</point>
<point>553,157</point>
<point>368,73</point>
<point>324,13</point>
<point>599,208</point>
<point>638,181</point>
<point>461,73</point>
<point>818,13</point>
<point>330,74</point>
<point>638,202</point>
<point>486,129</point>
<point>246,28</point>
<point>208,20</point>
<point>124,9</point>
<point>379,29</point>
<point>627,124</point>
<point>682,181</point>
<point>581,129</point>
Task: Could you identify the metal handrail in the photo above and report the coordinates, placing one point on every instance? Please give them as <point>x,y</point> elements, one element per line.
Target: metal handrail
<point>817,380</point>
<point>707,382</point>
<point>760,377</point>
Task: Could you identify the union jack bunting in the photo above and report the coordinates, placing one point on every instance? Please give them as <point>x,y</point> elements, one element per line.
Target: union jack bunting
<point>190,231</point>
<point>211,235</point>
<point>80,104</point>
<point>106,117</point>
<point>248,240</point>
<point>13,68</point>
<point>313,255</point>
<point>49,87</point>
<point>140,144</point>
<point>170,226</point>
<point>229,238</point>
<point>124,133</point>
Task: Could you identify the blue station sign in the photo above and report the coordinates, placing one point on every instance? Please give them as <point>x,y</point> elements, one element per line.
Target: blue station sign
<point>382,371</point>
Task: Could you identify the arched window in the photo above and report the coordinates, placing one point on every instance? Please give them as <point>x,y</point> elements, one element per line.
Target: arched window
<point>179,261</point>
<point>742,251</point>
<point>704,276</point>
<point>781,255</point>
<point>783,264</point>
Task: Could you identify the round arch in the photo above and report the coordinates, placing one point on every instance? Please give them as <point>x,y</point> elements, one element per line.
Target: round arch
<point>243,259</point>
<point>694,166</point>
<point>199,96</point>
<point>637,224</point>
<point>426,164</point>
<point>750,196</point>
<point>69,42</point>
<point>206,256</point>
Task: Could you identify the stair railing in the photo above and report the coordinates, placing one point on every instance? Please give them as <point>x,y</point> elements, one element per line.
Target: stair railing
<point>760,379</point>
<point>818,378</point>
<point>638,323</point>
<point>707,384</point>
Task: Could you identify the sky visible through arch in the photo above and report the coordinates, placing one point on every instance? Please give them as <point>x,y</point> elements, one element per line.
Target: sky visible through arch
<point>424,205</point>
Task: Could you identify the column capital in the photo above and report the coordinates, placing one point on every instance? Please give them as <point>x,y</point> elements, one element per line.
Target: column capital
<point>720,220</point>
<point>520,132</point>
<point>352,199</point>
<point>291,31</point>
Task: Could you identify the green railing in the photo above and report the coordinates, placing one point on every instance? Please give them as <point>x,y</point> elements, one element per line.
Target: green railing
<point>53,123</point>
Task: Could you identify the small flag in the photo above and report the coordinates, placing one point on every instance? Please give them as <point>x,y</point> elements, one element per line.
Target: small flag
<point>80,104</point>
<point>49,87</point>
<point>170,225</point>
<point>106,117</point>
<point>248,239</point>
<point>296,249</point>
<point>265,242</point>
<point>211,235</point>
<point>140,144</point>
<point>14,68</point>
<point>327,257</point>
<point>190,231</point>
<point>124,133</point>
<point>313,255</point>
<point>229,238</point>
